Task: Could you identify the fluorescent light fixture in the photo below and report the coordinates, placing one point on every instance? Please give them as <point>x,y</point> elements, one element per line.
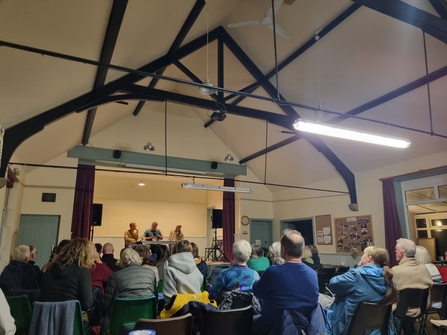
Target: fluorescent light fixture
<point>329,130</point>
<point>217,188</point>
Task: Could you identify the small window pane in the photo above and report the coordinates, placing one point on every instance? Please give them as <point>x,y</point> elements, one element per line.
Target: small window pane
<point>421,223</point>
<point>420,195</point>
<point>438,222</point>
<point>422,233</point>
<point>442,191</point>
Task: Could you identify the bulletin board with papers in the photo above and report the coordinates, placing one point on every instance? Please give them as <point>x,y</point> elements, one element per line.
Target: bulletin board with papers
<point>323,225</point>
<point>353,234</point>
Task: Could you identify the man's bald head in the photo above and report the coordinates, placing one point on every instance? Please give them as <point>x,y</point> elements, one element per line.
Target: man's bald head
<point>107,249</point>
<point>292,243</point>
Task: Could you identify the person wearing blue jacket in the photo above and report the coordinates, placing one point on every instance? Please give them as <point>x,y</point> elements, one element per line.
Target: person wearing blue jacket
<point>372,281</point>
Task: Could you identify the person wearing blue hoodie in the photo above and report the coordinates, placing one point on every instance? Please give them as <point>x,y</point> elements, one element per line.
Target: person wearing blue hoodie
<point>372,281</point>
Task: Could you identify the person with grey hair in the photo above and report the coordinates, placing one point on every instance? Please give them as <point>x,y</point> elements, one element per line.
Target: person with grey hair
<point>275,254</point>
<point>409,274</point>
<point>423,257</point>
<point>292,287</point>
<point>239,277</point>
<point>132,280</point>
<point>19,274</point>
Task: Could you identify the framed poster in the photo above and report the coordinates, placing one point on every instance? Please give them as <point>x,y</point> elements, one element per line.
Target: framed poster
<point>353,234</point>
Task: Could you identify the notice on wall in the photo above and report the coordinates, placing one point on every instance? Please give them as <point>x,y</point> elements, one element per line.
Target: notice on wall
<point>353,234</point>
<point>323,225</point>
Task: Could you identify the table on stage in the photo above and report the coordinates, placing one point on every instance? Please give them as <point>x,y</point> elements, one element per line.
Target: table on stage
<point>166,242</point>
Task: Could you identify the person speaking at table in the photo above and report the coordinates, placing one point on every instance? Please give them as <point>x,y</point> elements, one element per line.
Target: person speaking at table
<point>153,234</point>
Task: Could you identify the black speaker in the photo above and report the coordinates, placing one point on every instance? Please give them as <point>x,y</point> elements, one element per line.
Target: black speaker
<point>216,219</point>
<point>96,214</point>
<point>214,165</point>
<point>117,154</point>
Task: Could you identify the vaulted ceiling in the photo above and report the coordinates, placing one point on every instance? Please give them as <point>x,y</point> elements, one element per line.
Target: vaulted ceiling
<point>69,70</point>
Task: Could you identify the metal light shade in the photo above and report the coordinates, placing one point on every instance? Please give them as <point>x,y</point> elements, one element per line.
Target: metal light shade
<point>229,158</point>
<point>207,90</point>
<point>141,183</point>
<point>149,147</point>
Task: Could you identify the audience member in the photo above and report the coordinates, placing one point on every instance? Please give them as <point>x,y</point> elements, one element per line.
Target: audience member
<point>176,234</point>
<point>201,264</point>
<point>68,275</point>
<point>19,274</point>
<point>162,257</point>
<point>315,256</point>
<point>7,325</point>
<point>32,254</point>
<point>181,273</point>
<point>99,272</point>
<point>98,247</point>
<point>131,236</point>
<point>146,257</point>
<point>108,257</point>
<point>131,281</point>
<point>54,252</point>
<point>307,257</point>
<point>290,286</point>
<point>275,254</point>
<point>423,257</point>
<point>409,274</point>
<point>239,277</point>
<point>372,281</point>
<point>258,261</point>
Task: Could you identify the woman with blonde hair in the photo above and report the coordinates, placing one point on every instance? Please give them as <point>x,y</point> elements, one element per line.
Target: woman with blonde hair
<point>68,275</point>
<point>372,281</point>
<point>423,257</point>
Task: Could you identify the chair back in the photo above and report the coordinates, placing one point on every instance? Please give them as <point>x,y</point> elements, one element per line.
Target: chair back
<point>330,272</point>
<point>233,321</point>
<point>411,298</point>
<point>341,269</point>
<point>321,282</point>
<point>180,325</point>
<point>160,286</point>
<point>126,311</point>
<point>437,299</point>
<point>21,312</point>
<point>369,316</point>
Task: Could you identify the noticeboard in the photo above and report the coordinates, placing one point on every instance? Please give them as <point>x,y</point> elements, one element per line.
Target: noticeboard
<point>353,232</point>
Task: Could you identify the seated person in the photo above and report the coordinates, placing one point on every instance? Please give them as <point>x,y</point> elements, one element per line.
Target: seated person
<point>181,273</point>
<point>54,252</point>
<point>423,257</point>
<point>239,277</point>
<point>307,257</point>
<point>7,325</point>
<point>201,264</point>
<point>146,257</point>
<point>176,234</point>
<point>132,280</point>
<point>258,261</point>
<point>100,274</point>
<point>275,254</point>
<point>131,236</point>
<point>19,274</point>
<point>162,257</point>
<point>372,281</point>
<point>68,275</point>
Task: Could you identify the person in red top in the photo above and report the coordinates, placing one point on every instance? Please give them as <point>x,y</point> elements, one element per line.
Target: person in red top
<point>443,269</point>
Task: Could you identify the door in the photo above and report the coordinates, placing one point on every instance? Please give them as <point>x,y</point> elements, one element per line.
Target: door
<point>304,226</point>
<point>40,231</point>
<point>261,231</point>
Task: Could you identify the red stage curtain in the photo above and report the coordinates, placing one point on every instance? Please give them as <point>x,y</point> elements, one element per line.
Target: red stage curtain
<point>83,202</point>
<point>392,224</point>
<point>228,221</point>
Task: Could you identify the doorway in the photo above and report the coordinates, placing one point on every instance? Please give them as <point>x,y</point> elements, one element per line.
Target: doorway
<point>304,226</point>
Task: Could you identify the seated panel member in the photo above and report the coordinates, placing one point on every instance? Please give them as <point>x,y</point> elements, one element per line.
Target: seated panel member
<point>176,234</point>
<point>153,233</point>
<point>131,236</point>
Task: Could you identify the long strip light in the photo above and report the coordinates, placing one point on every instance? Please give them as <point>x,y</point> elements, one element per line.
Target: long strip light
<point>330,130</point>
<point>217,188</point>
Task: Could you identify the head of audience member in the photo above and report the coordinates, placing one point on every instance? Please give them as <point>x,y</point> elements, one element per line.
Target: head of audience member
<point>79,251</point>
<point>265,251</point>
<point>405,248</point>
<point>182,246</point>
<point>275,254</point>
<point>107,249</point>
<point>241,252</point>
<point>379,256</point>
<point>58,248</point>
<point>422,255</point>
<point>292,245</point>
<point>195,250</point>
<point>145,253</point>
<point>129,256</point>
<point>98,247</point>
<point>132,226</point>
<point>33,252</point>
<point>178,227</point>
<point>307,253</point>
<point>256,251</point>
<point>21,253</point>
<point>154,226</point>
<point>162,254</point>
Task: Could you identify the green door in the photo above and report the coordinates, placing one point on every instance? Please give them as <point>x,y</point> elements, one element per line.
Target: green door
<point>40,231</point>
<point>261,232</point>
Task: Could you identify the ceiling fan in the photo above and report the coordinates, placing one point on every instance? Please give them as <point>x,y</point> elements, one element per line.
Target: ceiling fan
<point>267,20</point>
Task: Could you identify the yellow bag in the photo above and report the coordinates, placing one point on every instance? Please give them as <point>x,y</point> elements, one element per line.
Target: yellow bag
<point>181,300</point>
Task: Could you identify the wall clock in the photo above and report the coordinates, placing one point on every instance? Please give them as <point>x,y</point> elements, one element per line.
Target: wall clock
<point>245,220</point>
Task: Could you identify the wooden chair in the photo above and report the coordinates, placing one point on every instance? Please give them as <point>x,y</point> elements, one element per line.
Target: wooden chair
<point>368,316</point>
<point>126,312</point>
<point>180,325</point>
<point>21,312</point>
<point>411,298</point>
<point>233,321</point>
